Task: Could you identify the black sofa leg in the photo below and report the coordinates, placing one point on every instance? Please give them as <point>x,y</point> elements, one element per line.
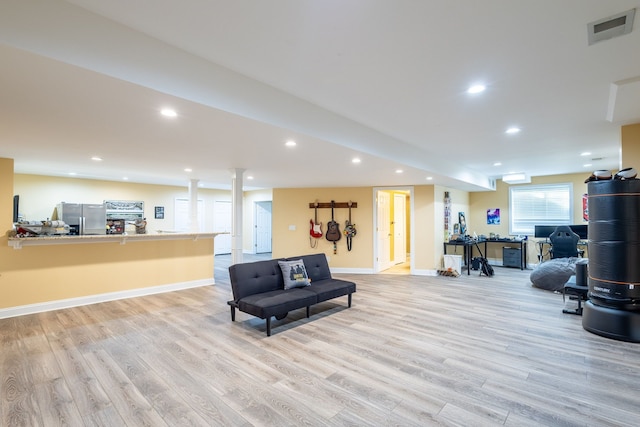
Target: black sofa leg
<point>269,326</point>
<point>233,314</point>
<point>308,311</point>
<point>350,300</point>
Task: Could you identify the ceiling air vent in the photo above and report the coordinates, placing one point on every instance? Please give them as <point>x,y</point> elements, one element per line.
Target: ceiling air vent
<point>613,26</point>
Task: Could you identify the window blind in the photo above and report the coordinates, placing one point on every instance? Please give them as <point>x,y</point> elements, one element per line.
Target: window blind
<point>532,205</point>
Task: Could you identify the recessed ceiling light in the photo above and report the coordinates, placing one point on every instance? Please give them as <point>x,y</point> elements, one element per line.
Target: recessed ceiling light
<point>476,88</point>
<point>73,173</point>
<point>168,112</point>
<point>429,178</point>
<point>497,164</point>
<point>587,165</point>
<point>399,171</point>
<point>188,170</point>
<point>512,130</point>
<point>356,160</point>
<point>249,177</point>
<point>586,153</point>
<point>124,178</point>
<point>96,159</point>
<point>290,143</point>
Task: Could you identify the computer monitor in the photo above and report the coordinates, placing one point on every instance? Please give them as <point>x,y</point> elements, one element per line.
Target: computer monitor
<point>581,230</point>
<point>544,231</point>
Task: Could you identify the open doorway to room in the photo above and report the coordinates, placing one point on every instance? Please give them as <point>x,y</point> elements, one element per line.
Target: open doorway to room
<point>393,240</point>
<point>262,227</point>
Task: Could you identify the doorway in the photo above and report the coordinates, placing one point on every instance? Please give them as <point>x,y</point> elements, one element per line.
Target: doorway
<point>393,219</point>
<point>222,219</point>
<point>262,227</point>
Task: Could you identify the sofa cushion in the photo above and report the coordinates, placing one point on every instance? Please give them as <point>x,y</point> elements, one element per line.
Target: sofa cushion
<point>317,266</point>
<point>255,277</point>
<point>294,274</point>
<point>272,303</point>
<point>332,288</point>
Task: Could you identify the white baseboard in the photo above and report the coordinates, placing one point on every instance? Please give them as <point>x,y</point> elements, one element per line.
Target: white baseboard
<point>93,299</point>
<point>425,272</point>
<point>370,271</point>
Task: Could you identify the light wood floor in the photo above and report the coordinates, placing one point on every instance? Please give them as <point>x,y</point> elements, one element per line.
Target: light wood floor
<point>412,351</point>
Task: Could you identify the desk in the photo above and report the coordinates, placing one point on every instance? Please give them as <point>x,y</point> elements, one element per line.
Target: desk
<point>468,245</point>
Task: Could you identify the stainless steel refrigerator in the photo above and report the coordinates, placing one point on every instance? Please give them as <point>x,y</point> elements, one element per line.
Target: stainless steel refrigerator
<point>84,218</point>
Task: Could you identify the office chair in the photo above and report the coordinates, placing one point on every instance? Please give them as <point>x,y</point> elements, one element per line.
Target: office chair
<point>564,242</point>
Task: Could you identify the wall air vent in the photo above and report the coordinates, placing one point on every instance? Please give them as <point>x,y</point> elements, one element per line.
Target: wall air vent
<point>613,26</point>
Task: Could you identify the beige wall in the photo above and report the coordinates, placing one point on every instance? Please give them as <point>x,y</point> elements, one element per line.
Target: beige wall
<point>291,210</point>
<point>427,249</point>
<point>630,136</point>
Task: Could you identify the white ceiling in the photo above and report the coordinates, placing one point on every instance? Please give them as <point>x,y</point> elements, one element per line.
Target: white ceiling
<point>378,79</point>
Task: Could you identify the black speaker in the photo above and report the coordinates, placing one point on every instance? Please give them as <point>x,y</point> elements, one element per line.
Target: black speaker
<point>614,243</point>
<point>613,309</point>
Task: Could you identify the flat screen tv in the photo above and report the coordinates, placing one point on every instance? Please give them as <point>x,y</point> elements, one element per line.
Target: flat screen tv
<point>543,231</point>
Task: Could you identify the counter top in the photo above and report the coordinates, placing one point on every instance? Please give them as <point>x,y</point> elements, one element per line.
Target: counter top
<point>19,242</point>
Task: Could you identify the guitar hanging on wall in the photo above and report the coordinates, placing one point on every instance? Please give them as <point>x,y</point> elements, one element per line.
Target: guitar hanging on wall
<point>349,229</point>
<point>315,231</point>
<point>333,230</point>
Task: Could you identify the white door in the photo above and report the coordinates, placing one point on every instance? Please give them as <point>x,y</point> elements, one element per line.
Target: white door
<point>384,230</point>
<point>399,229</point>
<point>262,227</point>
<point>182,218</point>
<point>222,217</point>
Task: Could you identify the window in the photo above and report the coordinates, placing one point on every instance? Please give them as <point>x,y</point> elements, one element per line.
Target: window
<point>531,205</point>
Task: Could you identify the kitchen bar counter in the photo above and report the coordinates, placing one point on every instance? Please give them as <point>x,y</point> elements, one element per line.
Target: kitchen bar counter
<point>19,242</point>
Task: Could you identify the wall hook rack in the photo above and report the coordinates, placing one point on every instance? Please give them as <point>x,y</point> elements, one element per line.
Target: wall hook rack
<point>336,205</point>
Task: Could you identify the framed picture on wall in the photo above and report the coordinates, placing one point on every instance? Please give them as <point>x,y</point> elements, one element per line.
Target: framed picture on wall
<point>493,216</point>
<point>463,223</point>
<point>159,211</point>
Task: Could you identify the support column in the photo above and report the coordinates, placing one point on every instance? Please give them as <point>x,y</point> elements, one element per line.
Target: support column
<point>193,206</point>
<point>236,220</point>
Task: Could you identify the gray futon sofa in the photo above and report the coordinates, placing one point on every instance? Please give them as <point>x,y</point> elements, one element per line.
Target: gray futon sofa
<point>259,287</point>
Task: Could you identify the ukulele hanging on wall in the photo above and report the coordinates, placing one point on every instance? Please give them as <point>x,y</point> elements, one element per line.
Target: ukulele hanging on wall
<point>349,229</point>
<point>333,230</point>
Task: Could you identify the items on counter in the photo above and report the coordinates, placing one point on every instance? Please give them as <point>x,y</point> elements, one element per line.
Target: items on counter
<point>41,228</point>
